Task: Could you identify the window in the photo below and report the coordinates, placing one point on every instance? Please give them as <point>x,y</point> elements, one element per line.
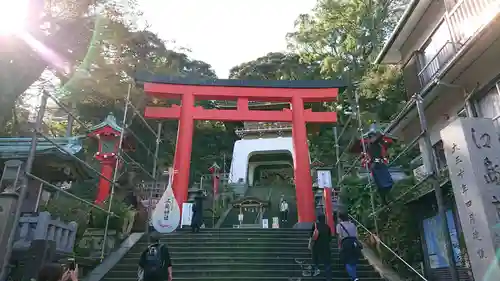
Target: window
<point>438,39</point>
<point>489,105</point>
<point>436,52</point>
<point>108,146</point>
<point>439,154</point>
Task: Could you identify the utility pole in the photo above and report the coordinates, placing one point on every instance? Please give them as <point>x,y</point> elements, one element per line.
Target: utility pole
<point>437,188</point>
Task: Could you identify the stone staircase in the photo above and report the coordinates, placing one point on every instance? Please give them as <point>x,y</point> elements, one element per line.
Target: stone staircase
<point>237,255</point>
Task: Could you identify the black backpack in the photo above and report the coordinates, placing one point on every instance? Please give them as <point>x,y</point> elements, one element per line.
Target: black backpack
<point>154,260</point>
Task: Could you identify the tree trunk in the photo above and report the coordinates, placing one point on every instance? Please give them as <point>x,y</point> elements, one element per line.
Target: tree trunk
<point>20,67</point>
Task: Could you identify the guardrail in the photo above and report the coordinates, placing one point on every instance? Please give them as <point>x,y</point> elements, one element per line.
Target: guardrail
<point>468,16</point>
<point>43,227</point>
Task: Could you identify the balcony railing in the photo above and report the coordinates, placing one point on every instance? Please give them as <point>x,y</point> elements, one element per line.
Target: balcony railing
<point>468,16</point>
<point>465,19</point>
<point>430,70</point>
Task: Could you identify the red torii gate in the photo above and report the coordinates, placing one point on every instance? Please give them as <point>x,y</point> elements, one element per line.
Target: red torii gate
<point>295,92</point>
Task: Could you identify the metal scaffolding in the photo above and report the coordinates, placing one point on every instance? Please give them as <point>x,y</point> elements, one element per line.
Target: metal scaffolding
<point>432,177</point>
<point>129,114</point>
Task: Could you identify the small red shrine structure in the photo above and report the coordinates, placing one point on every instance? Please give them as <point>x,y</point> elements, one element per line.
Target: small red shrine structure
<point>107,135</point>
<point>294,92</point>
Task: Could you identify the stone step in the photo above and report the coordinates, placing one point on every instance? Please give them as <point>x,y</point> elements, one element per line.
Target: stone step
<point>239,231</point>
<point>223,264</point>
<point>232,248</point>
<point>268,272</point>
<point>249,278</point>
<point>234,255</point>
<point>223,236</point>
<point>236,239</point>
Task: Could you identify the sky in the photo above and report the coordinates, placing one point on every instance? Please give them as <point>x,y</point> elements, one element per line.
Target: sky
<point>225,33</point>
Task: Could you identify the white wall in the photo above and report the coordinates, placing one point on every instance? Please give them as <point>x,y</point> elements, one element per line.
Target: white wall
<point>243,149</point>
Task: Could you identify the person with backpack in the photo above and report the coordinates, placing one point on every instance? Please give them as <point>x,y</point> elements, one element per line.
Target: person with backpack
<point>319,244</point>
<point>155,261</point>
<point>350,247</point>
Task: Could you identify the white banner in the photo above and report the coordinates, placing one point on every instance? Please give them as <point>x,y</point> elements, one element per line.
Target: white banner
<point>166,215</point>
<point>187,214</point>
<point>324,179</point>
<point>276,222</point>
<point>265,223</point>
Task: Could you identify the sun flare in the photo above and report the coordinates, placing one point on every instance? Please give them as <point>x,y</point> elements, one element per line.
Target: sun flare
<point>13,16</point>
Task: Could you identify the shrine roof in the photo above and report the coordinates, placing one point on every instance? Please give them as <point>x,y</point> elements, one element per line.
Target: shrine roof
<point>250,200</point>
<point>109,121</point>
<point>48,155</point>
<point>144,77</point>
<point>20,147</point>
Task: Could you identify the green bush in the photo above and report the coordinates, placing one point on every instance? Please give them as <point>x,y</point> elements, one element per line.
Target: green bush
<point>69,209</point>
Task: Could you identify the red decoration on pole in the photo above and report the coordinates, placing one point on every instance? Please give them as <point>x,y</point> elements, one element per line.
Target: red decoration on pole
<point>292,92</point>
<point>214,170</point>
<point>327,197</point>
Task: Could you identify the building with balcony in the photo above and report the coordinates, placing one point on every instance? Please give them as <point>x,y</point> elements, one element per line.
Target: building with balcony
<point>448,50</point>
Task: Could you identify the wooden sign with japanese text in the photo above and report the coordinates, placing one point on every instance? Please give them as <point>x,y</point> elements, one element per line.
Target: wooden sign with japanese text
<point>472,150</point>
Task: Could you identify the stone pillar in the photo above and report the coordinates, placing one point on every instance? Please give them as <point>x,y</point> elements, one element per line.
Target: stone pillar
<point>8,203</point>
<point>472,149</point>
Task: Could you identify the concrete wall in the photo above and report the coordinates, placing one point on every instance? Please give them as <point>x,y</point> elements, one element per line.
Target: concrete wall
<point>243,149</point>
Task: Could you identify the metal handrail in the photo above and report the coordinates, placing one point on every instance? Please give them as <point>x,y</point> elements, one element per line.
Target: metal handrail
<point>441,54</point>
<point>388,248</point>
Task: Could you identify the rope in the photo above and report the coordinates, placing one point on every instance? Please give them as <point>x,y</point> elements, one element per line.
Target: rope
<point>388,248</point>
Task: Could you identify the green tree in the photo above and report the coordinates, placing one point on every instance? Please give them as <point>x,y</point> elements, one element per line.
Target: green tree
<point>274,66</point>
<point>56,38</point>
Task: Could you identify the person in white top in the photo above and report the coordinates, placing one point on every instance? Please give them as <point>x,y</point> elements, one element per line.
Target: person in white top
<point>284,211</point>
<point>350,247</point>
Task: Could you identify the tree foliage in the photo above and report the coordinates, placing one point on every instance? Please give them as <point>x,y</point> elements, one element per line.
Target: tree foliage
<point>274,66</point>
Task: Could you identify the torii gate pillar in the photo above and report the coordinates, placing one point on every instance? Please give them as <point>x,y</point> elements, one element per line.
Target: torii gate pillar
<point>294,92</point>
<point>301,163</point>
<point>183,149</point>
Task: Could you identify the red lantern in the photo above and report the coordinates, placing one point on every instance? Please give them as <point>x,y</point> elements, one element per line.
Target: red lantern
<point>108,135</point>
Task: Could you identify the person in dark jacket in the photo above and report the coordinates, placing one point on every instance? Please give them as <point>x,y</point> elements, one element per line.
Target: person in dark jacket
<point>151,271</point>
<point>197,218</point>
<point>321,236</point>
<point>131,202</point>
